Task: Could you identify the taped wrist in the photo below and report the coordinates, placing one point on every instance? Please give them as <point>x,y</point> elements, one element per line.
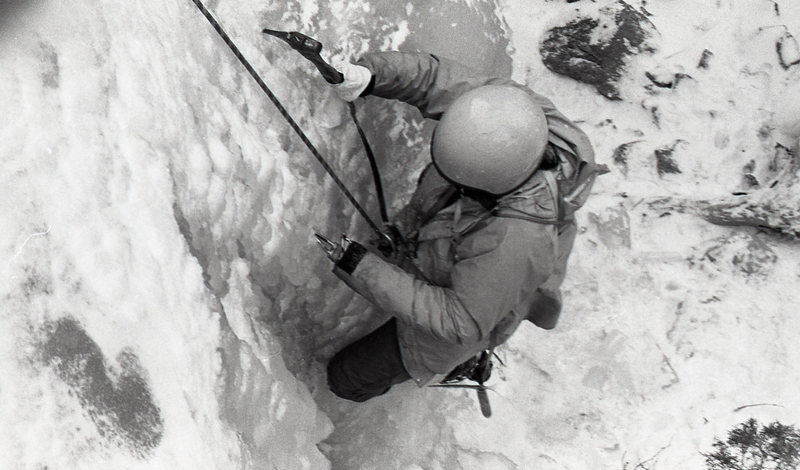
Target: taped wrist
<point>351,257</point>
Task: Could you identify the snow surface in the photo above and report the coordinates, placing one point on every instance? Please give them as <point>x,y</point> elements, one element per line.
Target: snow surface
<point>164,306</point>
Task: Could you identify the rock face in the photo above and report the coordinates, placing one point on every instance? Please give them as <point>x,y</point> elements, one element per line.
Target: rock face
<point>664,161</point>
<point>744,254</point>
<point>773,207</point>
<point>595,49</point>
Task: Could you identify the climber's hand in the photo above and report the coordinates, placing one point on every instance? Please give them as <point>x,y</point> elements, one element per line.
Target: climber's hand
<point>356,80</point>
<point>345,255</point>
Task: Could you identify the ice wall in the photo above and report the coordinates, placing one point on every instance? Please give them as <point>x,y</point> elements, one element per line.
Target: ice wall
<point>123,122</point>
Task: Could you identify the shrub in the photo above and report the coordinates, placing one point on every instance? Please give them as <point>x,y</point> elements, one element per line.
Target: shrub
<point>772,447</point>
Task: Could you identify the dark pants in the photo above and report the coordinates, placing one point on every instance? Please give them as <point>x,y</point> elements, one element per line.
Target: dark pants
<point>369,366</point>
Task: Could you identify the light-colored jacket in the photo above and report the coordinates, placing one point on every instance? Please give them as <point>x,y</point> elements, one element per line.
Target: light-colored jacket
<point>476,276</point>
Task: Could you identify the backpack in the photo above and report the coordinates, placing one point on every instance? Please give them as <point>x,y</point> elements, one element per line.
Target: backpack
<point>570,183</point>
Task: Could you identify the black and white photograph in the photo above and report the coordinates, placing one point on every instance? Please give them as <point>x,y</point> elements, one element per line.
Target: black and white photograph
<point>400,235</point>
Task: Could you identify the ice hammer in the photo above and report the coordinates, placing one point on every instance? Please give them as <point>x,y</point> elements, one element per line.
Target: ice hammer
<point>309,48</point>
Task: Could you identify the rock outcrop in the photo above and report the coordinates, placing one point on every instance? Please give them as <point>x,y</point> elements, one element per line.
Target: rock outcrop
<point>596,48</point>
<point>774,206</point>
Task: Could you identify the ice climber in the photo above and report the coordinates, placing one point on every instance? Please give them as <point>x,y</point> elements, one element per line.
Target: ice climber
<point>486,235</point>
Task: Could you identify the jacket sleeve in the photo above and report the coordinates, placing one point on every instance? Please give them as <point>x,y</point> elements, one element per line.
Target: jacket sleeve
<point>432,83</point>
<point>485,287</point>
<point>422,80</point>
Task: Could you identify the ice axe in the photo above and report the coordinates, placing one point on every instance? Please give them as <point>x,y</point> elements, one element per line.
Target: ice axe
<point>310,49</point>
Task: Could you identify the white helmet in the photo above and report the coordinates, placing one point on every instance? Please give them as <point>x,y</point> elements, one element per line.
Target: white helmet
<point>491,138</point>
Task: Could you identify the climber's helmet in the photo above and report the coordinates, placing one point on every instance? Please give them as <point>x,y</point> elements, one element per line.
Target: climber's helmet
<point>491,138</point>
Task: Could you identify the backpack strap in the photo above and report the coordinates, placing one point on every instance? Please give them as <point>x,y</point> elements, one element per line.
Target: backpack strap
<point>449,196</point>
<point>502,210</point>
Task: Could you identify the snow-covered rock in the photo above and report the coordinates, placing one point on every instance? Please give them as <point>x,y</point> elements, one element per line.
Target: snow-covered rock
<point>595,46</point>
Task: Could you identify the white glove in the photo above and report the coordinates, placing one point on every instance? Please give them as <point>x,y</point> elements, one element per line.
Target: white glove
<point>356,80</point>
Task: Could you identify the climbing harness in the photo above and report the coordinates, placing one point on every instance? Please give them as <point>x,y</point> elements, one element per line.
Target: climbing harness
<point>310,49</point>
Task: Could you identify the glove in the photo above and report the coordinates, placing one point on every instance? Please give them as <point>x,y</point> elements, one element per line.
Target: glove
<point>356,80</point>
<point>345,255</point>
